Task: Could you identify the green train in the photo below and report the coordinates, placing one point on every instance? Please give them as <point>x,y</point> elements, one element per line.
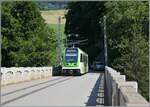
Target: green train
<point>75,61</point>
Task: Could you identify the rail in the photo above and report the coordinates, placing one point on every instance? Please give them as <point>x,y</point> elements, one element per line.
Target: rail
<point>21,74</point>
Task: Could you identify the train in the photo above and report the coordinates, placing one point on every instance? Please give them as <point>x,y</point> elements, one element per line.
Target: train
<point>74,61</point>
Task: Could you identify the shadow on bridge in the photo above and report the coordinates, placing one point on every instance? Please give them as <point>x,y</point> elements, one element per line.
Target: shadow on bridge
<point>97,94</point>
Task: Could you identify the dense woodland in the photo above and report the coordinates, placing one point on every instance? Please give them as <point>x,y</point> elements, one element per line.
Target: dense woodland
<point>127,35</point>
<point>83,18</point>
<point>128,41</point>
<point>28,41</point>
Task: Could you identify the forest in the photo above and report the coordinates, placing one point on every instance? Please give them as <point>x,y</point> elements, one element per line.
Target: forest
<point>127,30</point>
<point>28,41</point>
<point>26,38</point>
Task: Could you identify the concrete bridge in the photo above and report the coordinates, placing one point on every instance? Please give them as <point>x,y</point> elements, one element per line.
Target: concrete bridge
<point>35,86</point>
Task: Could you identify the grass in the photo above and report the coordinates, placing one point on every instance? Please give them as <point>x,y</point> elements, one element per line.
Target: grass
<point>55,27</point>
<point>51,18</point>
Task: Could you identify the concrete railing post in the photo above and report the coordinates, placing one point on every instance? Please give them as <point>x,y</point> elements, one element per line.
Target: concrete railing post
<point>118,90</point>
<point>3,79</point>
<point>115,88</point>
<point>21,74</point>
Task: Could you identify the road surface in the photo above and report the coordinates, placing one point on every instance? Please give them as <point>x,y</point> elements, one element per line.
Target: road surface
<point>55,91</point>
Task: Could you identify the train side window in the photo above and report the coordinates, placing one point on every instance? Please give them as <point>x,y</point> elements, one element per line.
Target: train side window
<point>81,58</point>
<point>85,59</point>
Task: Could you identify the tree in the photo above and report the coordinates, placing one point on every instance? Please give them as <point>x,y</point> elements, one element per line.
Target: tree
<point>128,40</point>
<point>26,39</point>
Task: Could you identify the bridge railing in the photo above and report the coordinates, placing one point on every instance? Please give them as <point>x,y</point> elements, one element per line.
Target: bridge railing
<point>119,92</point>
<point>21,74</point>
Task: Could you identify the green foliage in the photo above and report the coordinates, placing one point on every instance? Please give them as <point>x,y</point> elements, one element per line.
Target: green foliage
<point>127,29</point>
<point>62,34</point>
<point>26,39</point>
<point>55,27</point>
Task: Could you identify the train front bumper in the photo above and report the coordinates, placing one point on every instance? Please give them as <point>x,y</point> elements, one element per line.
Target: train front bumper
<point>70,70</point>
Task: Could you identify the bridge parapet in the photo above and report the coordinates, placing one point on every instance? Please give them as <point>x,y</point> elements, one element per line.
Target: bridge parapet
<point>119,92</point>
<point>21,74</point>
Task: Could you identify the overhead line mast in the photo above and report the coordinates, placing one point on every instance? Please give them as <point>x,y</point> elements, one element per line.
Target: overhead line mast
<point>105,41</point>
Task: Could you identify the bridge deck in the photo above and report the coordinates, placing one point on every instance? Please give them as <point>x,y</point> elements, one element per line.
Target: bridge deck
<point>55,91</point>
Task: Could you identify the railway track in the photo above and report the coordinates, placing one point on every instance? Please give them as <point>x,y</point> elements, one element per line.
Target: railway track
<point>30,89</point>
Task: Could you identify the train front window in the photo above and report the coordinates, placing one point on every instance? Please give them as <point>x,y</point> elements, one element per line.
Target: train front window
<point>71,56</point>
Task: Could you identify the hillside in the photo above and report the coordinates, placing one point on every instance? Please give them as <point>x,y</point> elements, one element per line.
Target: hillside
<point>51,16</point>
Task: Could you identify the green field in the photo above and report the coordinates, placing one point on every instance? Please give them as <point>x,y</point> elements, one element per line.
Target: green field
<point>55,27</point>
<point>51,16</point>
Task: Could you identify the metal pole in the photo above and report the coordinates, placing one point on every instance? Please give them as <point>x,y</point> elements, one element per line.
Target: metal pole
<point>105,41</point>
<point>57,44</point>
<point>59,39</point>
<point>66,42</point>
<point>73,39</point>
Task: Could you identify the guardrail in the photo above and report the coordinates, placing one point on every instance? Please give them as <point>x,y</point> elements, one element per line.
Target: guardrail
<point>119,92</point>
<point>21,74</point>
